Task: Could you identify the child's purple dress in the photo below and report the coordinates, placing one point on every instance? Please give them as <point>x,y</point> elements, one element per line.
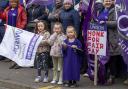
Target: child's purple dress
<point>71,63</point>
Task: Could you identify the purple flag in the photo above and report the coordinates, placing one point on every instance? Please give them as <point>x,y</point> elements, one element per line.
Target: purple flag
<point>40,2</point>
<point>85,27</point>
<point>102,60</point>
<point>122,23</point>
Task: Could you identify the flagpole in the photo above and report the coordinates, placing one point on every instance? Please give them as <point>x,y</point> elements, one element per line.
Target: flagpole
<point>95,70</point>
<point>85,26</point>
<point>96,58</point>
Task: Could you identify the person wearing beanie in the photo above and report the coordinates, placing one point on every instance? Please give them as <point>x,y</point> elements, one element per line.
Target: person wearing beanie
<point>69,16</point>
<point>68,1</point>
<point>99,1</point>
<point>99,5</point>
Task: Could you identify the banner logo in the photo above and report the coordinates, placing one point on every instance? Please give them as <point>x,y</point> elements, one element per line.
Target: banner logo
<point>122,19</point>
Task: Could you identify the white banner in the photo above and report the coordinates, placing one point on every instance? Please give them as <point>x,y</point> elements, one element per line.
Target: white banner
<point>96,39</point>
<point>20,46</point>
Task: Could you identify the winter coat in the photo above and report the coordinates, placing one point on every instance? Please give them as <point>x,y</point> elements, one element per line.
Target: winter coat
<point>21,18</point>
<point>44,47</point>
<point>70,17</point>
<point>56,44</point>
<point>53,16</point>
<point>114,48</point>
<point>36,12</point>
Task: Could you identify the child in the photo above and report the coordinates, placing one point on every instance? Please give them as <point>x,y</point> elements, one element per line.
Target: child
<point>16,16</point>
<point>71,54</point>
<point>43,51</point>
<point>56,41</point>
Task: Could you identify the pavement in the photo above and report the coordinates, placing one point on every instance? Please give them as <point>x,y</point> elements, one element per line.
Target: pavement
<point>24,79</point>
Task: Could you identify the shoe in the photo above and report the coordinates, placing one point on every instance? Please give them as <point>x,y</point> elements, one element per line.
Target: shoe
<point>38,79</point>
<point>67,85</point>
<point>13,66</point>
<point>73,85</point>
<point>45,80</point>
<point>60,83</point>
<point>17,67</point>
<point>85,75</point>
<point>110,81</point>
<point>126,82</point>
<point>53,82</point>
<point>2,58</point>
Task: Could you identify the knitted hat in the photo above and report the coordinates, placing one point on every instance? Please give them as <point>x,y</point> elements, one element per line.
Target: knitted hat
<point>99,1</point>
<point>68,1</point>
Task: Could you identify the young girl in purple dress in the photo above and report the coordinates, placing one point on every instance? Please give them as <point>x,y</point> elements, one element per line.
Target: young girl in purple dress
<point>71,55</point>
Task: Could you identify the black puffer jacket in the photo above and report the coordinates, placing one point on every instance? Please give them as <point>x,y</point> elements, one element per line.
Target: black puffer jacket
<point>36,12</point>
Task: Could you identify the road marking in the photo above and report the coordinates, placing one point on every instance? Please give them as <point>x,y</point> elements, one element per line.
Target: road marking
<point>50,87</point>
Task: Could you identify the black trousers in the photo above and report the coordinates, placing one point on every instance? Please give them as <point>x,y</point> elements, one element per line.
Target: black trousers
<point>115,66</point>
<point>42,63</point>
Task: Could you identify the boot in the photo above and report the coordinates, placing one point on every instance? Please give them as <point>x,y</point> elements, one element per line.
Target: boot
<point>126,81</point>
<point>13,66</point>
<point>111,80</point>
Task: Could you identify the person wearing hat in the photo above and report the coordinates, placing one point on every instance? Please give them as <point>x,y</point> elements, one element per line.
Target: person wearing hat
<point>69,16</point>
<point>99,5</point>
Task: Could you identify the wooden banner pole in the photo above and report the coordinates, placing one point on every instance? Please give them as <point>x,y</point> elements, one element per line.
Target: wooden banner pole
<point>95,70</point>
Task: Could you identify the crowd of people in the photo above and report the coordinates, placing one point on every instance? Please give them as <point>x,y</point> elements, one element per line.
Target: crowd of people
<point>62,46</point>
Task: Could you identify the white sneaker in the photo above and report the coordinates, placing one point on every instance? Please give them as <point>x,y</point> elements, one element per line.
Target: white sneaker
<point>53,82</point>
<point>45,80</point>
<point>60,83</point>
<point>85,75</point>
<point>126,82</point>
<point>38,79</point>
